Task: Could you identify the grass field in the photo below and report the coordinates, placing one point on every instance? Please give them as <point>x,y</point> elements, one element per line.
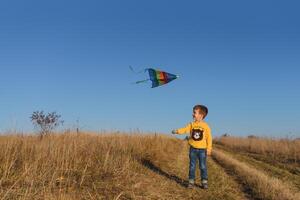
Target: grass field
<point>136,166</point>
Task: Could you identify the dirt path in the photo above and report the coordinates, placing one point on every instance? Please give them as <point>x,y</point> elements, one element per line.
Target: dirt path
<point>272,170</point>
<point>292,167</point>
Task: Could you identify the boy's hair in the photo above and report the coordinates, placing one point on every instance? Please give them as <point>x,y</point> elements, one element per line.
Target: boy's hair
<point>202,109</point>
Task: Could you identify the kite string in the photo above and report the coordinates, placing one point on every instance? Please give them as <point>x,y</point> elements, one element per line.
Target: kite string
<point>137,72</point>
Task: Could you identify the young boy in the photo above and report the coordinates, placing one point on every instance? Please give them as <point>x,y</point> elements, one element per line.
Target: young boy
<point>200,142</point>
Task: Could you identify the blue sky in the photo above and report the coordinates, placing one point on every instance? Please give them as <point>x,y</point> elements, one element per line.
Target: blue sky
<point>240,58</point>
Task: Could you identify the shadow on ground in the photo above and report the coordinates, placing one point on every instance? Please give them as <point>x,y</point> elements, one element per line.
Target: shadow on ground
<point>147,163</point>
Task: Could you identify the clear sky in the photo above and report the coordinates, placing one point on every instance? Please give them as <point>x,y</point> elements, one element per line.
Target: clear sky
<point>240,58</point>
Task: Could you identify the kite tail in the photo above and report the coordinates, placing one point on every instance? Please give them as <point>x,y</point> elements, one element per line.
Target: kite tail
<point>142,81</point>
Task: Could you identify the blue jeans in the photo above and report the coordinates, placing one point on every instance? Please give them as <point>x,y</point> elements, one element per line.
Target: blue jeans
<point>201,155</point>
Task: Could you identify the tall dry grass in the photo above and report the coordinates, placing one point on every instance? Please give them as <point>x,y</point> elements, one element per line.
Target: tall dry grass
<point>262,186</point>
<point>76,166</point>
<point>283,150</point>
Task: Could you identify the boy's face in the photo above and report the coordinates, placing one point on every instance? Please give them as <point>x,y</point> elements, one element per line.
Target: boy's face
<point>197,115</point>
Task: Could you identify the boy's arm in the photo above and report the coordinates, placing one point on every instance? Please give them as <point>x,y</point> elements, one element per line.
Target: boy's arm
<point>183,130</point>
<point>209,141</point>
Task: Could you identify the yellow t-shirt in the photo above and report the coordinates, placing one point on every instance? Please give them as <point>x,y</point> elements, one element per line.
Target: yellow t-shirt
<point>200,135</point>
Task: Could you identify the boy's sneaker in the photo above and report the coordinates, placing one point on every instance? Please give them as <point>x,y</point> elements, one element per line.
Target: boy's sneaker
<point>191,184</point>
<point>204,184</point>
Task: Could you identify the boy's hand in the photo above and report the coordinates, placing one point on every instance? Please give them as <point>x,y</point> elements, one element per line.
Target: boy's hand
<point>174,132</point>
<point>208,153</point>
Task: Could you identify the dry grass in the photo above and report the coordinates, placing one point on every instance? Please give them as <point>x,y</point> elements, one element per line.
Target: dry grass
<point>262,186</point>
<point>70,163</point>
<point>102,166</point>
<point>282,150</point>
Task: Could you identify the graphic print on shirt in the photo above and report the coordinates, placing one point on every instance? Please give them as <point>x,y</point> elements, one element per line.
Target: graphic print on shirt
<point>197,134</point>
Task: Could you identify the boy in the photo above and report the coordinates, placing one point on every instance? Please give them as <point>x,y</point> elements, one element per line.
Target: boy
<point>200,142</point>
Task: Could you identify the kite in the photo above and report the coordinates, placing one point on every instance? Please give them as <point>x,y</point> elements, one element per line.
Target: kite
<point>157,77</point>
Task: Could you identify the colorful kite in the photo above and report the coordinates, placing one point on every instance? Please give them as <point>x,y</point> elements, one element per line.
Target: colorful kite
<point>158,77</point>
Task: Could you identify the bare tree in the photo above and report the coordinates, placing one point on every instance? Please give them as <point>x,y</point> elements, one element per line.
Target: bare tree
<point>225,135</point>
<point>45,123</point>
<point>252,136</point>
